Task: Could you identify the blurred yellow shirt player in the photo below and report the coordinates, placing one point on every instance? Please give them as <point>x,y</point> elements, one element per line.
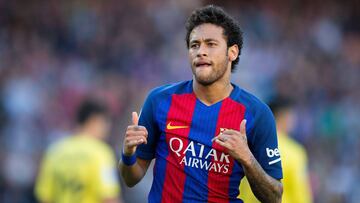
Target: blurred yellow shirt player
<point>81,168</point>
<point>294,160</point>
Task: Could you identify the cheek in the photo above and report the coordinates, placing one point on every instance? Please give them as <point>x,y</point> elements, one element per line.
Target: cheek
<point>191,55</point>
<point>221,51</point>
<point>219,55</point>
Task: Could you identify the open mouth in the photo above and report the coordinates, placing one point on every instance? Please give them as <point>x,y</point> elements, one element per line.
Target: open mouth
<point>202,64</point>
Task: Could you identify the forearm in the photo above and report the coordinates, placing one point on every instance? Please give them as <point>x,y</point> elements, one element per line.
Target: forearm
<point>264,187</point>
<point>132,174</point>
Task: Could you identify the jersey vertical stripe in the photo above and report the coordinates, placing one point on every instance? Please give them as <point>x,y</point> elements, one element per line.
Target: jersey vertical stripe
<point>235,178</point>
<point>237,171</point>
<point>203,128</point>
<point>162,152</point>
<point>180,114</point>
<point>230,116</point>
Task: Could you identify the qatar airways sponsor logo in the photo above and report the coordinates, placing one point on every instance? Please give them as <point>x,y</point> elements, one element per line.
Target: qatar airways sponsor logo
<point>213,160</point>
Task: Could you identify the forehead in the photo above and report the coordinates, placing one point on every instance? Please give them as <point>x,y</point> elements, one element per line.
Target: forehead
<point>207,31</point>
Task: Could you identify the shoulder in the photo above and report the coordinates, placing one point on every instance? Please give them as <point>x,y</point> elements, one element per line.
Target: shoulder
<point>59,145</point>
<point>99,151</point>
<point>255,108</point>
<point>260,119</point>
<point>169,89</point>
<point>100,148</point>
<point>251,102</point>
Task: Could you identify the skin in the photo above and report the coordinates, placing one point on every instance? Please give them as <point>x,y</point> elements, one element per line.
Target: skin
<point>134,136</point>
<point>97,126</point>
<point>207,44</point>
<point>210,60</point>
<point>285,120</point>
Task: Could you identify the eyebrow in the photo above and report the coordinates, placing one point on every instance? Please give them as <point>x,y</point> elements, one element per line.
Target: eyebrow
<point>206,40</point>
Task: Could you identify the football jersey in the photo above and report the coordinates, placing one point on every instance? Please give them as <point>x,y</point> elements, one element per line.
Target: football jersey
<point>78,169</point>
<point>189,167</point>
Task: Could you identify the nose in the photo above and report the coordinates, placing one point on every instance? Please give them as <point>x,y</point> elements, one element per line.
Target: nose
<point>202,51</point>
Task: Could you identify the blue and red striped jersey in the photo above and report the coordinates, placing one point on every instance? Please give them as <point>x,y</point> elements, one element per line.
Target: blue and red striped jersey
<point>189,167</point>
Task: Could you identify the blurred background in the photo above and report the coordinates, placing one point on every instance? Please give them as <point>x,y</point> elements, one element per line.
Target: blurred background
<point>55,53</point>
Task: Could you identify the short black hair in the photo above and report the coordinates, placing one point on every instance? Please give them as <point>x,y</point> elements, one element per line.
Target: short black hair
<point>88,108</point>
<point>280,103</point>
<point>217,16</point>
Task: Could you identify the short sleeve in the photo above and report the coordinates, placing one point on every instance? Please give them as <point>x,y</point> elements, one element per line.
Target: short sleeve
<point>147,119</point>
<point>264,143</point>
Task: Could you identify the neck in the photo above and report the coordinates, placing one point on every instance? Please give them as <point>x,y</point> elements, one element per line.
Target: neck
<point>211,94</point>
<point>85,132</point>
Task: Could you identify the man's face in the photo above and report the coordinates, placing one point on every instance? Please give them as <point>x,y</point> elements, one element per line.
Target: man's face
<point>99,125</point>
<point>286,119</point>
<point>208,53</point>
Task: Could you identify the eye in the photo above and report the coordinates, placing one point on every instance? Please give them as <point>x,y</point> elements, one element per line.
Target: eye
<point>211,44</point>
<point>194,46</point>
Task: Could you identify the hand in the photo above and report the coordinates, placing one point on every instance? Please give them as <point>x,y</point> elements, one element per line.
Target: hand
<point>135,135</point>
<point>235,142</point>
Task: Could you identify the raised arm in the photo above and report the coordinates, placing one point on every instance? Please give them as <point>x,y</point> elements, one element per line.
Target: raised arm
<point>133,169</point>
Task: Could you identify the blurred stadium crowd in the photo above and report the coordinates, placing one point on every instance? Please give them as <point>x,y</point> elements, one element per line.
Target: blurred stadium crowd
<point>53,54</point>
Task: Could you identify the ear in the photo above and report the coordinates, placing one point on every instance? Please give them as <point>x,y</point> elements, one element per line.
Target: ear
<point>233,52</point>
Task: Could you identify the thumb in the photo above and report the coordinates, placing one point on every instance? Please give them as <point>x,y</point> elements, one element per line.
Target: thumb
<point>243,127</point>
<point>135,118</point>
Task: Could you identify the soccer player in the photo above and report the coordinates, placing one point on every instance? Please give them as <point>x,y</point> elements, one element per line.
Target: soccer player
<point>205,134</point>
<point>81,168</point>
<point>294,159</point>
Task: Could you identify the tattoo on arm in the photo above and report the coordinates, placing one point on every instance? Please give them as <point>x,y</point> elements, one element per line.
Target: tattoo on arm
<point>265,188</point>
